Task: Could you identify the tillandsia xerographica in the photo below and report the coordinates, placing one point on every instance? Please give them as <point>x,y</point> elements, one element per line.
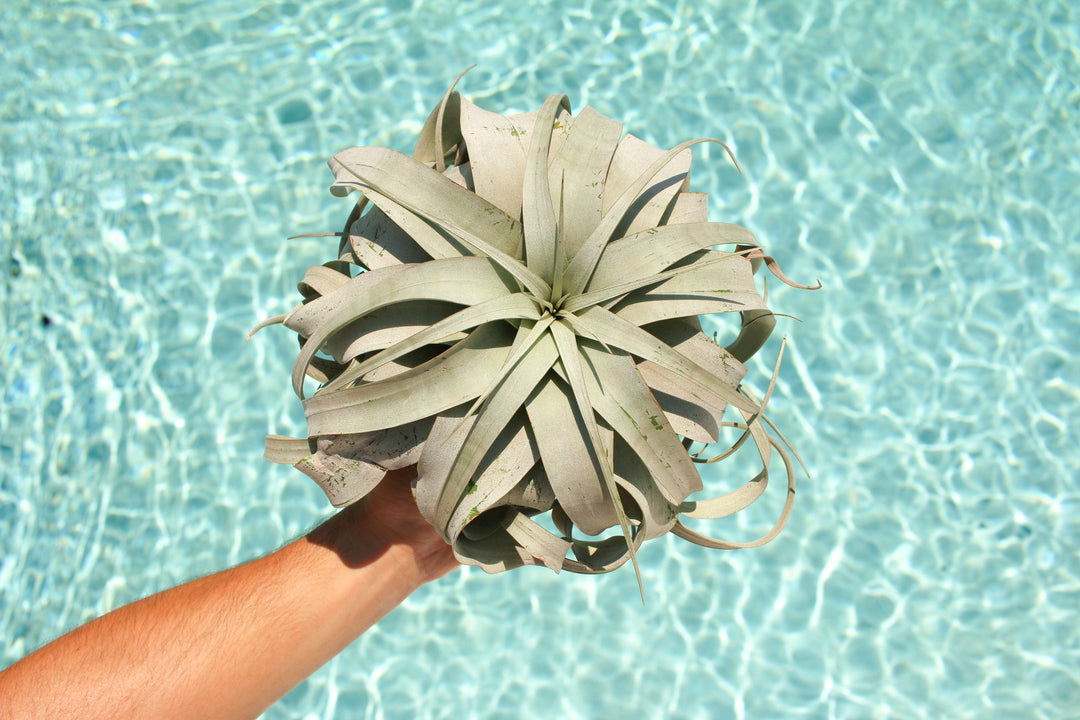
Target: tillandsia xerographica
<point>515,309</point>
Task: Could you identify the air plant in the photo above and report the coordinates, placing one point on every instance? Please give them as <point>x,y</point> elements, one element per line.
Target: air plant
<point>514,309</point>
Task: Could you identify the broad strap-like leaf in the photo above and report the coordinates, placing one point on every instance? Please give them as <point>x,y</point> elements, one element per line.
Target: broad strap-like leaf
<point>489,234</point>
<point>428,194</point>
<point>584,161</point>
<point>581,267</point>
<point>511,456</point>
<point>657,307</point>
<point>655,199</point>
<point>691,419</point>
<point>757,326</point>
<point>496,145</point>
<point>392,448</point>
<point>384,328</point>
<point>493,416</point>
<point>377,241</point>
<point>656,513</point>
<point>322,280</point>
<point>454,377</point>
<point>543,547</point>
<point>652,251</point>
<point>347,467</point>
<point>448,433</point>
<point>306,318</point>
<point>429,237</point>
<point>537,210</point>
<point>528,334</point>
<point>600,556</point>
<point>517,305</point>
<point>441,133</point>
<point>692,411</point>
<point>533,493</point>
<point>620,395</point>
<point>707,288</point>
<point>729,503</point>
<point>753,421</point>
<point>345,251</point>
<point>441,121</point>
<point>427,281</point>
<point>344,480</point>
<point>571,361</point>
<point>689,207</point>
<point>286,450</point>
<point>568,458</point>
<point>596,297</point>
<point>528,279</point>
<point>560,251</point>
<point>626,336</point>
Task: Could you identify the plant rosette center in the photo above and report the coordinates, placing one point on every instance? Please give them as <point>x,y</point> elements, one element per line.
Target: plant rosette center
<point>515,310</point>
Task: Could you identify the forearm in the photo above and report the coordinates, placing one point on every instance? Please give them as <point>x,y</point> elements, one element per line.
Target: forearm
<point>223,646</point>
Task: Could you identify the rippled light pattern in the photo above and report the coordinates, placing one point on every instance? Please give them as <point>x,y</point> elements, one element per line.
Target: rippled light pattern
<point>919,158</point>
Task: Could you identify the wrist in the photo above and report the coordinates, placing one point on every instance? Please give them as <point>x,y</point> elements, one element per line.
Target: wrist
<point>359,536</point>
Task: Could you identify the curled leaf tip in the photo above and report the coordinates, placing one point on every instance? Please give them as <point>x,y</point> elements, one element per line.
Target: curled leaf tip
<point>532,359</point>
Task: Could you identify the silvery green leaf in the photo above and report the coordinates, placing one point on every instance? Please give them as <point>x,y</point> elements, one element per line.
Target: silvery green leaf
<point>426,194</point>
<point>533,493</point>
<point>568,459</point>
<point>539,545</point>
<point>631,158</point>
<point>581,268</point>
<point>426,281</point>
<point>756,327</point>
<point>432,241</point>
<point>448,433</point>
<point>441,133</point>
<point>537,210</point>
<point>503,307</point>
<point>491,419</point>
<point>657,281</point>
<point>511,456</point>
<point>624,401</point>
<point>322,280</point>
<point>496,146</point>
<point>692,412</point>
<point>628,337</point>
<point>305,319</point>
<point>785,513</point>
<point>524,327</point>
<point>570,358</point>
<point>689,207</point>
<point>287,450</point>
<point>456,376</point>
<point>387,327</point>
<point>652,251</point>
<point>344,480</point>
<point>715,288</point>
<point>582,164</point>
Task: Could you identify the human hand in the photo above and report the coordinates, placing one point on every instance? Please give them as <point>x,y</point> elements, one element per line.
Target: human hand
<point>262,626</point>
<point>388,516</point>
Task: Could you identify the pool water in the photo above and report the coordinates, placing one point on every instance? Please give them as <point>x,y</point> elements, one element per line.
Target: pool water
<point>920,159</point>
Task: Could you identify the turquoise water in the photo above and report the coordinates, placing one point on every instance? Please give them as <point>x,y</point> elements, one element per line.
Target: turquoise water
<point>919,158</point>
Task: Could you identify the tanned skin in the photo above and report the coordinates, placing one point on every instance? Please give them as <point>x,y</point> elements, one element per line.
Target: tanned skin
<point>231,644</point>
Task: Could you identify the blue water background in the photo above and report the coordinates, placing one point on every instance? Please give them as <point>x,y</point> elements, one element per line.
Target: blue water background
<point>920,159</point>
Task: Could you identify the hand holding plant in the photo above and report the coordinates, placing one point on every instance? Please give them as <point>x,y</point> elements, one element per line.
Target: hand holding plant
<point>515,309</point>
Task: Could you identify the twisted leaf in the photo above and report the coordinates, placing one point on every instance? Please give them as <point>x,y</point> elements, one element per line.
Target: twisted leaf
<point>523,327</point>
